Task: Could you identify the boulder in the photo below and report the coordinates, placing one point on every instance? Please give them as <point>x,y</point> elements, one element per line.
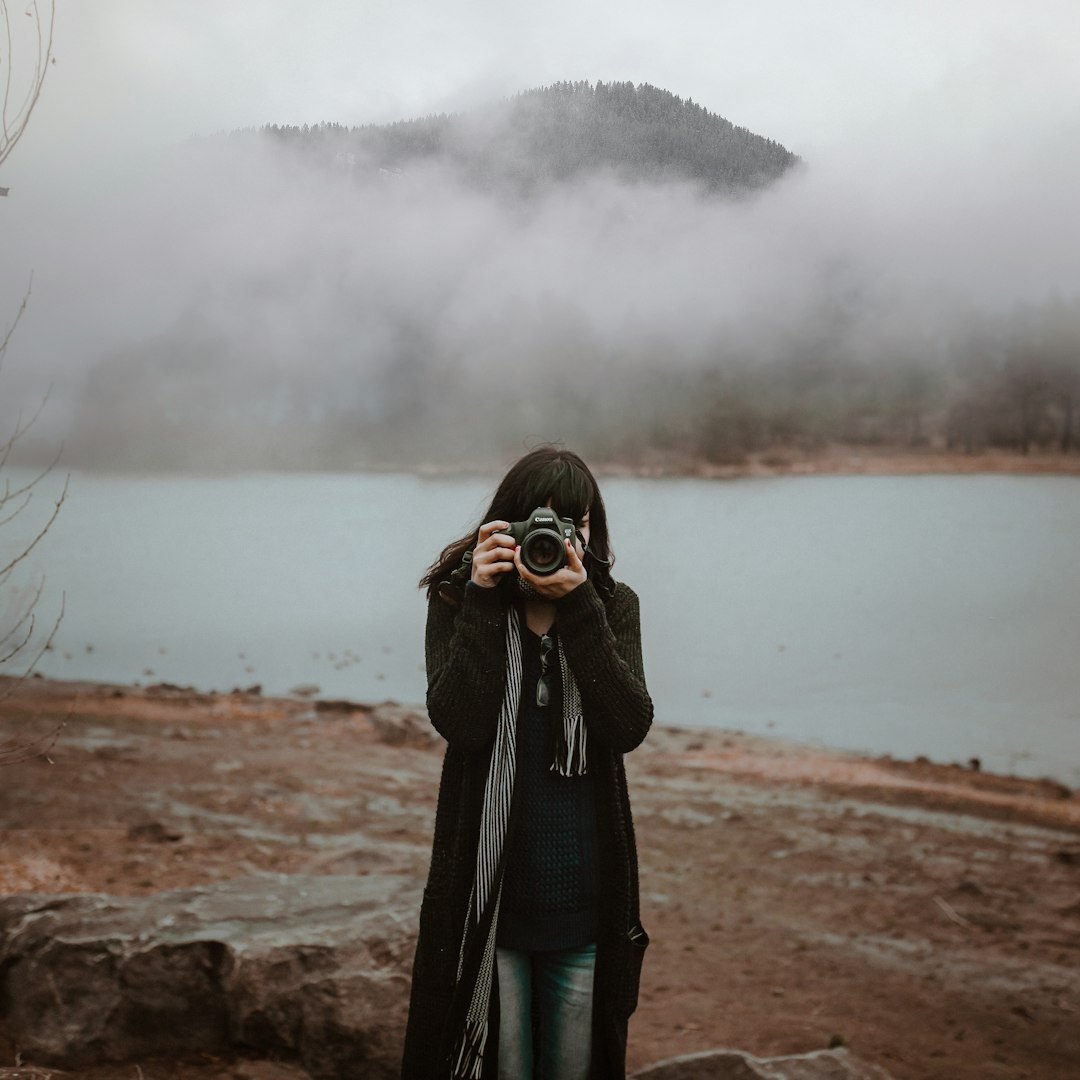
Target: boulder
<point>734,1065</point>
<point>310,967</point>
<point>398,725</point>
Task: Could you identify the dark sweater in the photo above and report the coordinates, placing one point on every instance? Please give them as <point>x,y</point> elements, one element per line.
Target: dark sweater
<point>466,668</point>
<point>549,888</point>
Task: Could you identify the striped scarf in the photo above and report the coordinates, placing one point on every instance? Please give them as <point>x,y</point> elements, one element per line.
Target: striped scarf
<point>569,760</point>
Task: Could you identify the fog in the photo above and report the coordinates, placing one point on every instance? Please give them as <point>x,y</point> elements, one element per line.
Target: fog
<point>259,301</point>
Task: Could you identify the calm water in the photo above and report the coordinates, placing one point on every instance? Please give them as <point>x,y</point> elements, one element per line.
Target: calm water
<point>911,615</point>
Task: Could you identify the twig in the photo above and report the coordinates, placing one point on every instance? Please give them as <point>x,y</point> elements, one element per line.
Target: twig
<point>20,430</point>
<point>18,680</point>
<point>39,747</point>
<point>14,127</point>
<point>5,499</point>
<point>29,616</point>
<point>952,913</point>
<point>22,307</point>
<point>28,613</point>
<point>4,571</point>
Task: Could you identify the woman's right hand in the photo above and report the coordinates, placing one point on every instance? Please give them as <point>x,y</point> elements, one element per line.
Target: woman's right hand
<point>493,555</point>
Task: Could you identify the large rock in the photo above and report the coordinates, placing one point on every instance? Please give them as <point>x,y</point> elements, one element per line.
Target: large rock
<point>735,1065</point>
<point>315,967</point>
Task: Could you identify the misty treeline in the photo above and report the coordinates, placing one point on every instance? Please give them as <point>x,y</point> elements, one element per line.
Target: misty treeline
<point>1007,382</point>
<point>1011,382</point>
<point>558,133</point>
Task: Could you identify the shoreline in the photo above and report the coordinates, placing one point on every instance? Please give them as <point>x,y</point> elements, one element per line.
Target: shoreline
<point>842,460</point>
<point>765,754</point>
<point>832,460</point>
<point>723,751</point>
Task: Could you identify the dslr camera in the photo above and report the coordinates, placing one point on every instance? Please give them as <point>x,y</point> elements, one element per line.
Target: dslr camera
<point>542,537</point>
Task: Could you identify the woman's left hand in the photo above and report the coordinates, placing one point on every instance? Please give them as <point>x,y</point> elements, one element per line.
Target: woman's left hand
<point>553,586</point>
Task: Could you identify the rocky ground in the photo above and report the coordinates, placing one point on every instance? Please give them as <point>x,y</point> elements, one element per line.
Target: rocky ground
<point>928,916</point>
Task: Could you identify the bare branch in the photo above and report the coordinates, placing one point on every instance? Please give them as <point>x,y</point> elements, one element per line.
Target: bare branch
<point>15,125</point>
<point>16,681</point>
<point>7,497</point>
<point>28,612</point>
<point>10,494</point>
<point>18,314</point>
<point>4,571</point>
<point>17,638</point>
<point>29,616</point>
<point>17,752</point>
<point>10,52</point>
<point>16,602</point>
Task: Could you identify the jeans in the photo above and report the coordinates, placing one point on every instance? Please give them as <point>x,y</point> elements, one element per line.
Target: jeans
<point>556,990</point>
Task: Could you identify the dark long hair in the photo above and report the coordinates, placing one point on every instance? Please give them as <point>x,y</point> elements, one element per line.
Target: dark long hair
<point>546,473</point>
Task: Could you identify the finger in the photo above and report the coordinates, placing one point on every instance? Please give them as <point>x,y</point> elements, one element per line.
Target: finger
<point>497,541</point>
<point>495,557</point>
<point>491,551</point>
<point>573,559</point>
<point>522,569</point>
<point>491,527</point>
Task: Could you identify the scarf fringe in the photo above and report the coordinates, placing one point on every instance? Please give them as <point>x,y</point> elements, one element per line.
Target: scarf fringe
<point>571,750</point>
<point>571,755</point>
<point>469,1055</point>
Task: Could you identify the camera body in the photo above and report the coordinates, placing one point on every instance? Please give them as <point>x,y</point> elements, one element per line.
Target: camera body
<point>542,537</point>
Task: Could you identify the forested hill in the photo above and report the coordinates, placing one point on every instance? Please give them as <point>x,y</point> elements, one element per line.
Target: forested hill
<point>562,132</point>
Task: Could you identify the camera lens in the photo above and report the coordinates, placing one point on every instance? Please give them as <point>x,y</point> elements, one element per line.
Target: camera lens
<point>543,553</point>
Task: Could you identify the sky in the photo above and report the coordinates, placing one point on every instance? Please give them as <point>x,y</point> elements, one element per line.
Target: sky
<point>942,141</point>
<point>816,76</point>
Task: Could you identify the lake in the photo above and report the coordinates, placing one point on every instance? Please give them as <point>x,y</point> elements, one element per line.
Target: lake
<point>935,615</point>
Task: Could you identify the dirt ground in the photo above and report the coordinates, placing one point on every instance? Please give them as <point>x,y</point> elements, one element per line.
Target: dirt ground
<point>928,916</point>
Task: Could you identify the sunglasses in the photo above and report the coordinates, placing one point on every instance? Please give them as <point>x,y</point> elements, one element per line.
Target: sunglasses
<point>543,687</point>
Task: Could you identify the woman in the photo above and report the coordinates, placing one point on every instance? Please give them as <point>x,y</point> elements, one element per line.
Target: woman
<point>530,943</point>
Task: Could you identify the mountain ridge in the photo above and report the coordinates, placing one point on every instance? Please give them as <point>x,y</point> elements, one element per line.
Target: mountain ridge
<point>559,133</point>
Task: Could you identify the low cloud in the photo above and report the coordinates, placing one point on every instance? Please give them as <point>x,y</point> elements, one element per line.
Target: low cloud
<point>242,287</point>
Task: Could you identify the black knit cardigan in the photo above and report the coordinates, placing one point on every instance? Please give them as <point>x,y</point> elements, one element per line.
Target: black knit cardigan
<point>466,668</point>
